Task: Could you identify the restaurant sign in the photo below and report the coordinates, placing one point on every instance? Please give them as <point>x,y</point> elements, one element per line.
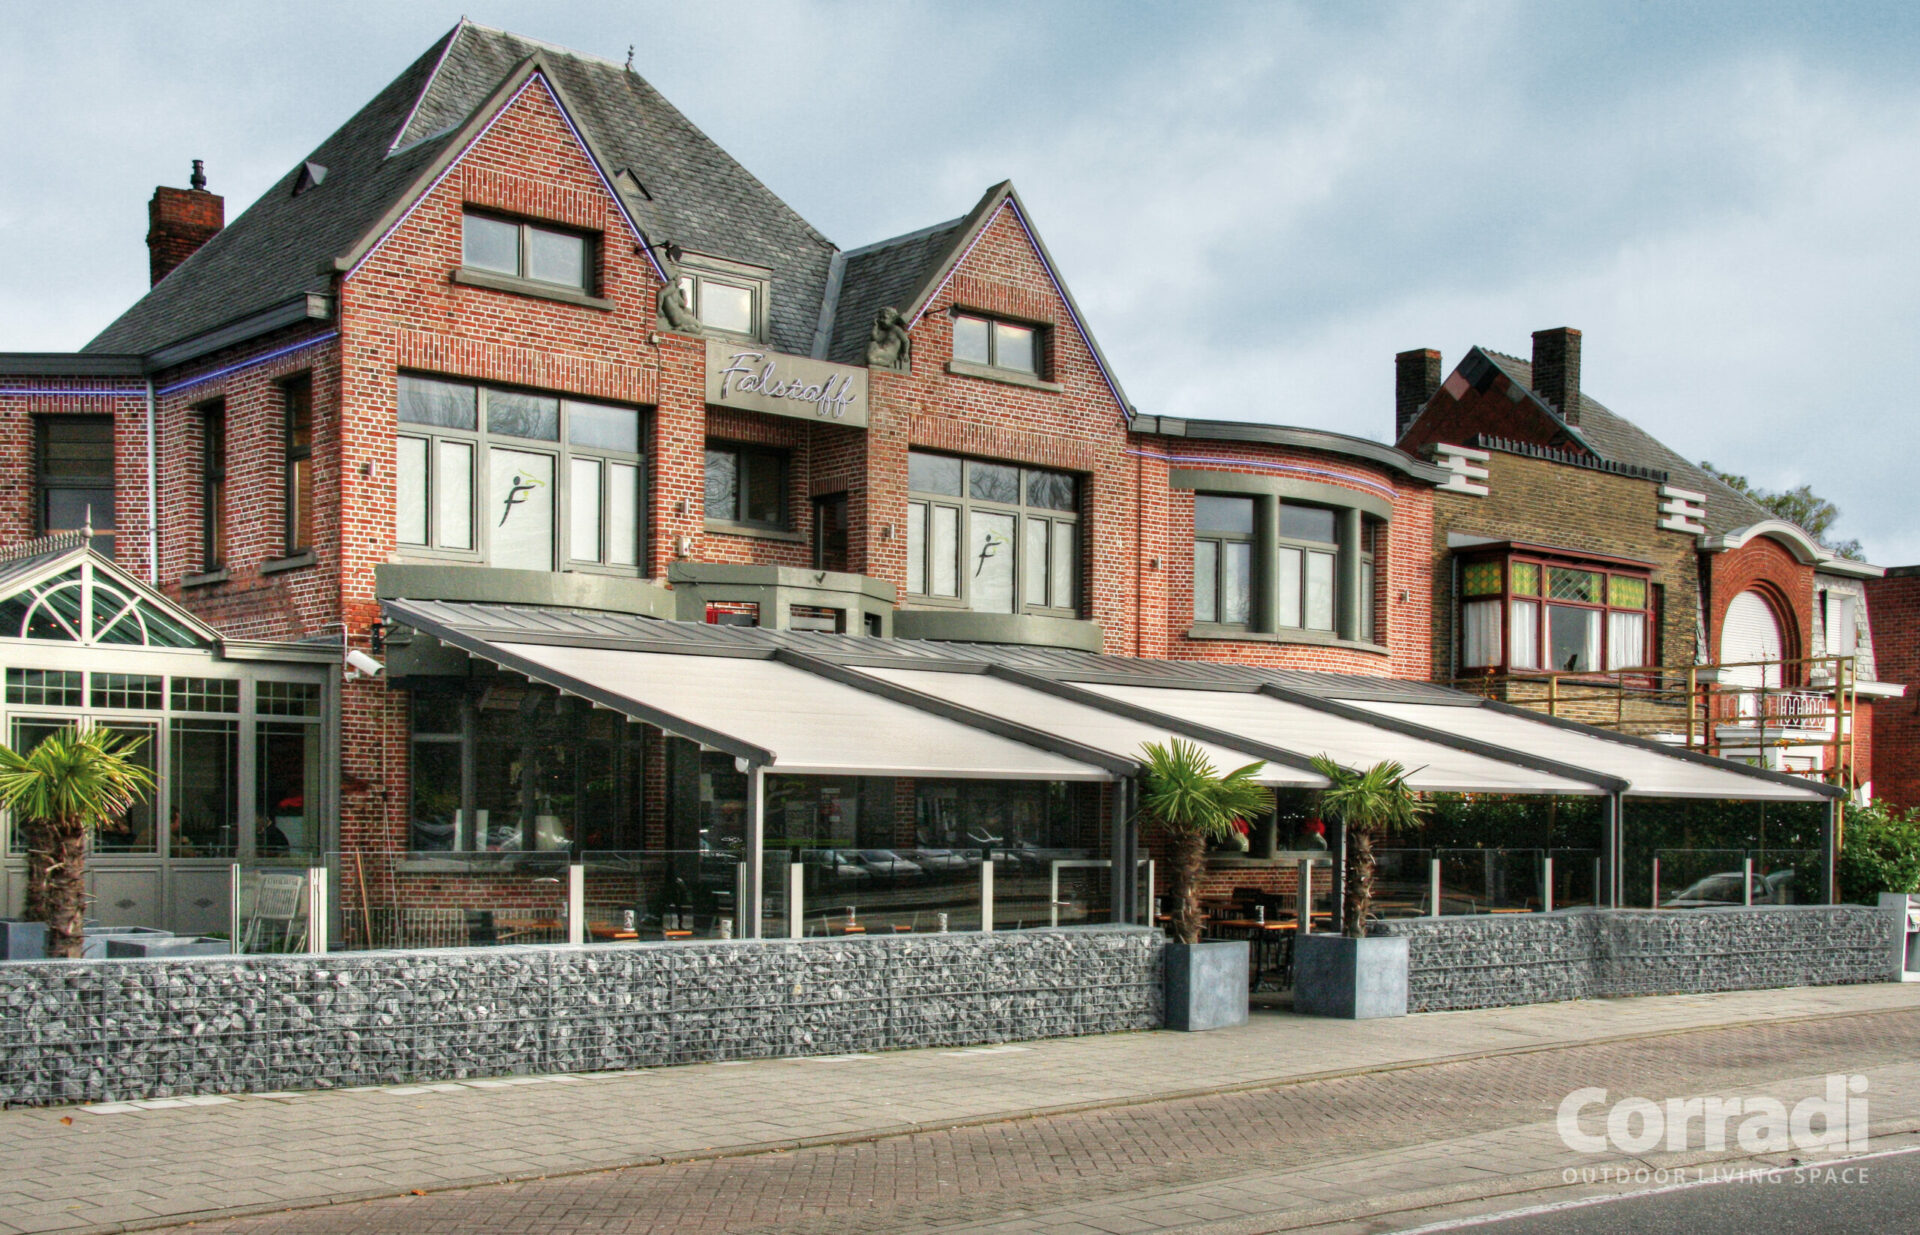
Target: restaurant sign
<point>757,380</point>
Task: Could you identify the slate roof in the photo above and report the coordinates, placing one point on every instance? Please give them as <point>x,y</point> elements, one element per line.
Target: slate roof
<point>883,274</point>
<point>1615,438</point>
<point>694,193</point>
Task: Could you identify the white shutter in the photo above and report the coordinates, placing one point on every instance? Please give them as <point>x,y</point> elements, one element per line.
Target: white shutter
<point>1751,633</point>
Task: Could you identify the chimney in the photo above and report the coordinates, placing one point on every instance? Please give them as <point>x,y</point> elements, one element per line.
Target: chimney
<point>1416,378</point>
<point>179,221</point>
<point>1556,370</point>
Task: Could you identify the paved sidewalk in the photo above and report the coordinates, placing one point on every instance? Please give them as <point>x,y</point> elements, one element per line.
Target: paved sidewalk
<point>146,1164</point>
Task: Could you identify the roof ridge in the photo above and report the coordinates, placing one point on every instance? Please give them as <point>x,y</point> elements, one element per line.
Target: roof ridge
<point>446,48</point>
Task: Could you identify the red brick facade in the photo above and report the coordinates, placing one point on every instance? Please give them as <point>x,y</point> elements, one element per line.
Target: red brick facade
<point>1895,604</point>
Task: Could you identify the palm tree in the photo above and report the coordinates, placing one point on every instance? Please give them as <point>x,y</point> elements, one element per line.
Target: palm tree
<point>1181,792</point>
<point>1372,804</point>
<point>72,781</point>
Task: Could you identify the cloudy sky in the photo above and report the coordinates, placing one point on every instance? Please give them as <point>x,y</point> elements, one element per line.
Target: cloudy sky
<point>1257,205</point>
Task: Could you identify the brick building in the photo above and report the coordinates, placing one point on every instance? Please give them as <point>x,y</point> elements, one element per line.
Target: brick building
<point>1895,600</point>
<point>1573,548</point>
<point>518,372</point>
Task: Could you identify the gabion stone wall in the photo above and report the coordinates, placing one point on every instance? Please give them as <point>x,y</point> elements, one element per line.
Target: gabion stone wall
<point>1503,959</point>
<point>92,1031</point>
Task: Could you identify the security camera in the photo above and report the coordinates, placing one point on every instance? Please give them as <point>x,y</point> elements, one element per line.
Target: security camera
<point>360,662</point>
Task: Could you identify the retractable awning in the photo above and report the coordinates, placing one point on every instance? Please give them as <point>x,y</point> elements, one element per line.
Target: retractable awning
<point>784,717</point>
<point>1650,773</point>
<point>1085,722</point>
<point>1353,743</point>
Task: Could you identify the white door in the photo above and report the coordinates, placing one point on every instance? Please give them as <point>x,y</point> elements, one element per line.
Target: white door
<point>1751,633</point>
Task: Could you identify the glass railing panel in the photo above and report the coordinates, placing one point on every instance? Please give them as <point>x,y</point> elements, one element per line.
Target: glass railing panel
<point>1577,879</point>
<point>1402,882</point>
<point>887,891</point>
<point>1492,880</point>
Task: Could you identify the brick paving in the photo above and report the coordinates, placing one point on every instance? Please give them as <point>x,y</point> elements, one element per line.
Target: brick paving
<point>1170,1132</point>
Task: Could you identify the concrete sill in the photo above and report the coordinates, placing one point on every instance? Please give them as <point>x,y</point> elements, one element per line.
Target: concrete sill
<point>305,557</point>
<point>1305,638</point>
<point>726,527</point>
<point>469,277</point>
<point>1009,377</point>
<point>206,580</point>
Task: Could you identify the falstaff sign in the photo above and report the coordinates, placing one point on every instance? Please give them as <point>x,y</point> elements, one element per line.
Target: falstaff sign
<point>757,380</point>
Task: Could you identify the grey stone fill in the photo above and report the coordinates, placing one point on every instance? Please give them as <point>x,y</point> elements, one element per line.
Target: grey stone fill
<point>1498,960</point>
<point>127,1030</point>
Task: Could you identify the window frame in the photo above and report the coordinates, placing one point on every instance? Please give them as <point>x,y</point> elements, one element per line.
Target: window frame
<point>590,278</point>
<point>296,393</point>
<point>1308,549</point>
<point>737,522</point>
<point>1220,541</point>
<point>1042,344</point>
<point>213,486</point>
<point>695,270</point>
<point>45,483</point>
<point>1024,511</point>
<point>1543,602</point>
<point>481,441</point>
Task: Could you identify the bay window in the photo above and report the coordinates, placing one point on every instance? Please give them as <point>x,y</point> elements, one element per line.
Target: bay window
<point>992,537</point>
<point>1561,617</point>
<point>1275,567</point>
<point>517,479</point>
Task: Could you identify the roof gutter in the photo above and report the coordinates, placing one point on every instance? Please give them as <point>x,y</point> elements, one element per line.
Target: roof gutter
<point>305,307</point>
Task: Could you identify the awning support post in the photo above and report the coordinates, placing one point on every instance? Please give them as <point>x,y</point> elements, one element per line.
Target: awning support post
<point>749,909</point>
<point>1613,844</point>
<point>1830,841</point>
<point>1124,851</point>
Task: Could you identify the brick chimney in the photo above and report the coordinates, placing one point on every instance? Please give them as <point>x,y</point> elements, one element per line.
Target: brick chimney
<point>1416,378</point>
<point>1556,370</point>
<point>179,221</point>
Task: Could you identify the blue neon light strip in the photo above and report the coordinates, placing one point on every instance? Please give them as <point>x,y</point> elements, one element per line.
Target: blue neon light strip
<point>248,363</point>
<point>91,392</point>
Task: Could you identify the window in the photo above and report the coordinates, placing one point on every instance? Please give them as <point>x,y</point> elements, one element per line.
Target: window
<point>746,484</point>
<point>830,533</point>
<point>1564,618</point>
<point>726,306</point>
<point>991,536</point>
<point>205,808</point>
<point>514,767</point>
<point>515,478</point>
<point>75,480</point>
<point>1842,636</point>
<point>213,487</point>
<point>996,344</point>
<point>527,251</point>
<point>1222,559</point>
<point>298,398</point>
<point>1304,560</point>
<point>733,613</point>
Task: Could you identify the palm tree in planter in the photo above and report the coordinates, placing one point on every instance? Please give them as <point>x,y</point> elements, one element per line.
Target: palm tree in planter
<point>1352,975</point>
<point>70,783</point>
<point>1192,803</point>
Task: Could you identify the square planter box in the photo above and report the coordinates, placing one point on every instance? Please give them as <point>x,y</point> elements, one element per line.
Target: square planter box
<point>172,945</point>
<point>93,944</point>
<point>1356,979</point>
<point>1206,985</point>
<point>22,941</point>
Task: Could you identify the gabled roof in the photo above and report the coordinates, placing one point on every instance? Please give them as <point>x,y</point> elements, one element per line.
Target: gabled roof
<point>691,192</point>
<point>58,588</point>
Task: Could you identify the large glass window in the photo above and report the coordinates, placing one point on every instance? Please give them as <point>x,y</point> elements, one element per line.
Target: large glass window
<point>527,251</point>
<point>563,476</point>
<point>746,484</point>
<point>1561,617</point>
<point>514,767</point>
<point>992,536</point>
<point>203,808</point>
<point>75,481</point>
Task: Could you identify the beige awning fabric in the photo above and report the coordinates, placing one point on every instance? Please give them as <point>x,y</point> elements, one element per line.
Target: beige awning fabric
<point>1275,722</point>
<point>1650,773</point>
<point>806,723</point>
<point>1116,734</point>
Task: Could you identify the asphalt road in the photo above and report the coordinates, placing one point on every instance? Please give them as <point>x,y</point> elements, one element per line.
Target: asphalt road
<point>1868,1195</point>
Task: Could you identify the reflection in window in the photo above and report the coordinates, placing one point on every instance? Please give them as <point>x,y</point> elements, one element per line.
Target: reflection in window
<point>1222,559</point>
<point>203,810</point>
<point>996,344</point>
<point>746,484</point>
<point>287,778</point>
<point>526,251</point>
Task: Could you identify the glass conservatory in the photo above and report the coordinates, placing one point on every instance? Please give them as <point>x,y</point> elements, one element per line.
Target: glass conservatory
<point>238,735</point>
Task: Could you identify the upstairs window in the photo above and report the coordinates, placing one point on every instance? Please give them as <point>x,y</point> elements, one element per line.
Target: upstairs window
<point>994,344</point>
<point>213,487</point>
<point>729,298</point>
<point>1304,560</point>
<point>746,485</point>
<point>524,250</point>
<point>1222,559</point>
<point>75,481</point>
<point>1525,614</point>
<point>992,537</point>
<point>517,479</point>
<point>297,397</point>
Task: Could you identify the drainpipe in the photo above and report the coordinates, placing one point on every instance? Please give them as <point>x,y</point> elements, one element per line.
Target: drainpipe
<point>153,513</point>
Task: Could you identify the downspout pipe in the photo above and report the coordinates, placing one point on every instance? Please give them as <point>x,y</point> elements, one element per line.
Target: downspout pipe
<point>153,500</point>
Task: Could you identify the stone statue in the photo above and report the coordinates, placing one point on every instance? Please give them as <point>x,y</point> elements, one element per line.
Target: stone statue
<point>675,314</point>
<point>888,347</point>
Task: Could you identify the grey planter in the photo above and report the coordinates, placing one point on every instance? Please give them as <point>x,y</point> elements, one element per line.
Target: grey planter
<point>171,945</point>
<point>1206,985</point>
<point>22,941</point>
<point>93,944</point>
<point>1355,979</point>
